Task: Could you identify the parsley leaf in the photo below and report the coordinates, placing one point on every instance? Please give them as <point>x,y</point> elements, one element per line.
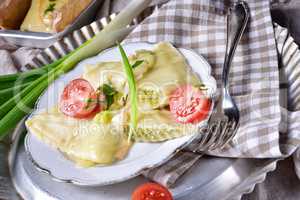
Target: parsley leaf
<point>88,102</point>
<point>137,63</point>
<point>50,8</point>
<point>108,90</point>
<point>109,101</point>
<point>109,93</point>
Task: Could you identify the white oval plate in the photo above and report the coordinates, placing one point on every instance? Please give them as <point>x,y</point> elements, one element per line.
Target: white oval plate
<point>141,156</point>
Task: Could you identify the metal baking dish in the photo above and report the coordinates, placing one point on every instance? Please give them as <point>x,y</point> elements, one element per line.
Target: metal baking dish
<point>43,40</point>
<point>75,38</point>
<point>212,178</point>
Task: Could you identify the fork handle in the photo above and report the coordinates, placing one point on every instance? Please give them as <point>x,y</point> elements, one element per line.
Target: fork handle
<point>237,20</point>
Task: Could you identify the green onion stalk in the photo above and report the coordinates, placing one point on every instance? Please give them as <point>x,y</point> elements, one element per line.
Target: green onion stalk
<point>34,72</point>
<point>132,93</point>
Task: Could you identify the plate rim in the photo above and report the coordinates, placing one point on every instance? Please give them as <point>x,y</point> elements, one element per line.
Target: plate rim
<point>138,172</point>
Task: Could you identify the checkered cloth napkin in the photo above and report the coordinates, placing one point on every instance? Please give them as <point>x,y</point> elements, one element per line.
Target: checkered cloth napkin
<point>267,128</point>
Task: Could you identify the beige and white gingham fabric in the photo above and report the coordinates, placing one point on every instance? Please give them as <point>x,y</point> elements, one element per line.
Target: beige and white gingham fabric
<point>254,77</point>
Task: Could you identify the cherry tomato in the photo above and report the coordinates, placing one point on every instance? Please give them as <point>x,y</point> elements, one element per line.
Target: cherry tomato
<point>189,105</point>
<point>79,99</point>
<point>151,191</point>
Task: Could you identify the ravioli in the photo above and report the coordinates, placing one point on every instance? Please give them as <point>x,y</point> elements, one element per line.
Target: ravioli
<point>164,70</point>
<point>159,125</point>
<point>83,141</point>
<point>169,71</point>
<point>113,72</point>
<point>103,140</point>
<point>106,72</point>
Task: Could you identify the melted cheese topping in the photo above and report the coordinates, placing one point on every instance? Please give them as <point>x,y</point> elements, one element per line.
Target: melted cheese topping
<point>83,141</point>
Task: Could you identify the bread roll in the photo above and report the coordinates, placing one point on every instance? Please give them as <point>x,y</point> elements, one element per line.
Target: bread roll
<point>12,13</point>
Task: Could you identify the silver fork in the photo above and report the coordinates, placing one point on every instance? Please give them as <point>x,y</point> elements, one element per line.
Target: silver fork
<point>224,121</point>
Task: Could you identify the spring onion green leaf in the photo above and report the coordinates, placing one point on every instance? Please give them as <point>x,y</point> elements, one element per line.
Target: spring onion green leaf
<point>10,103</point>
<point>8,93</point>
<point>132,92</point>
<point>21,81</point>
<point>44,72</point>
<point>33,72</point>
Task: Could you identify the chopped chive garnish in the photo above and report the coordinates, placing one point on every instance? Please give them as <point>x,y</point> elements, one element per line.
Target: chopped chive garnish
<point>137,63</point>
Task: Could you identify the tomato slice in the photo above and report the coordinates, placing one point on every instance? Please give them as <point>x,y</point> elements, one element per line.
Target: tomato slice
<point>189,105</point>
<point>79,99</point>
<point>151,191</point>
